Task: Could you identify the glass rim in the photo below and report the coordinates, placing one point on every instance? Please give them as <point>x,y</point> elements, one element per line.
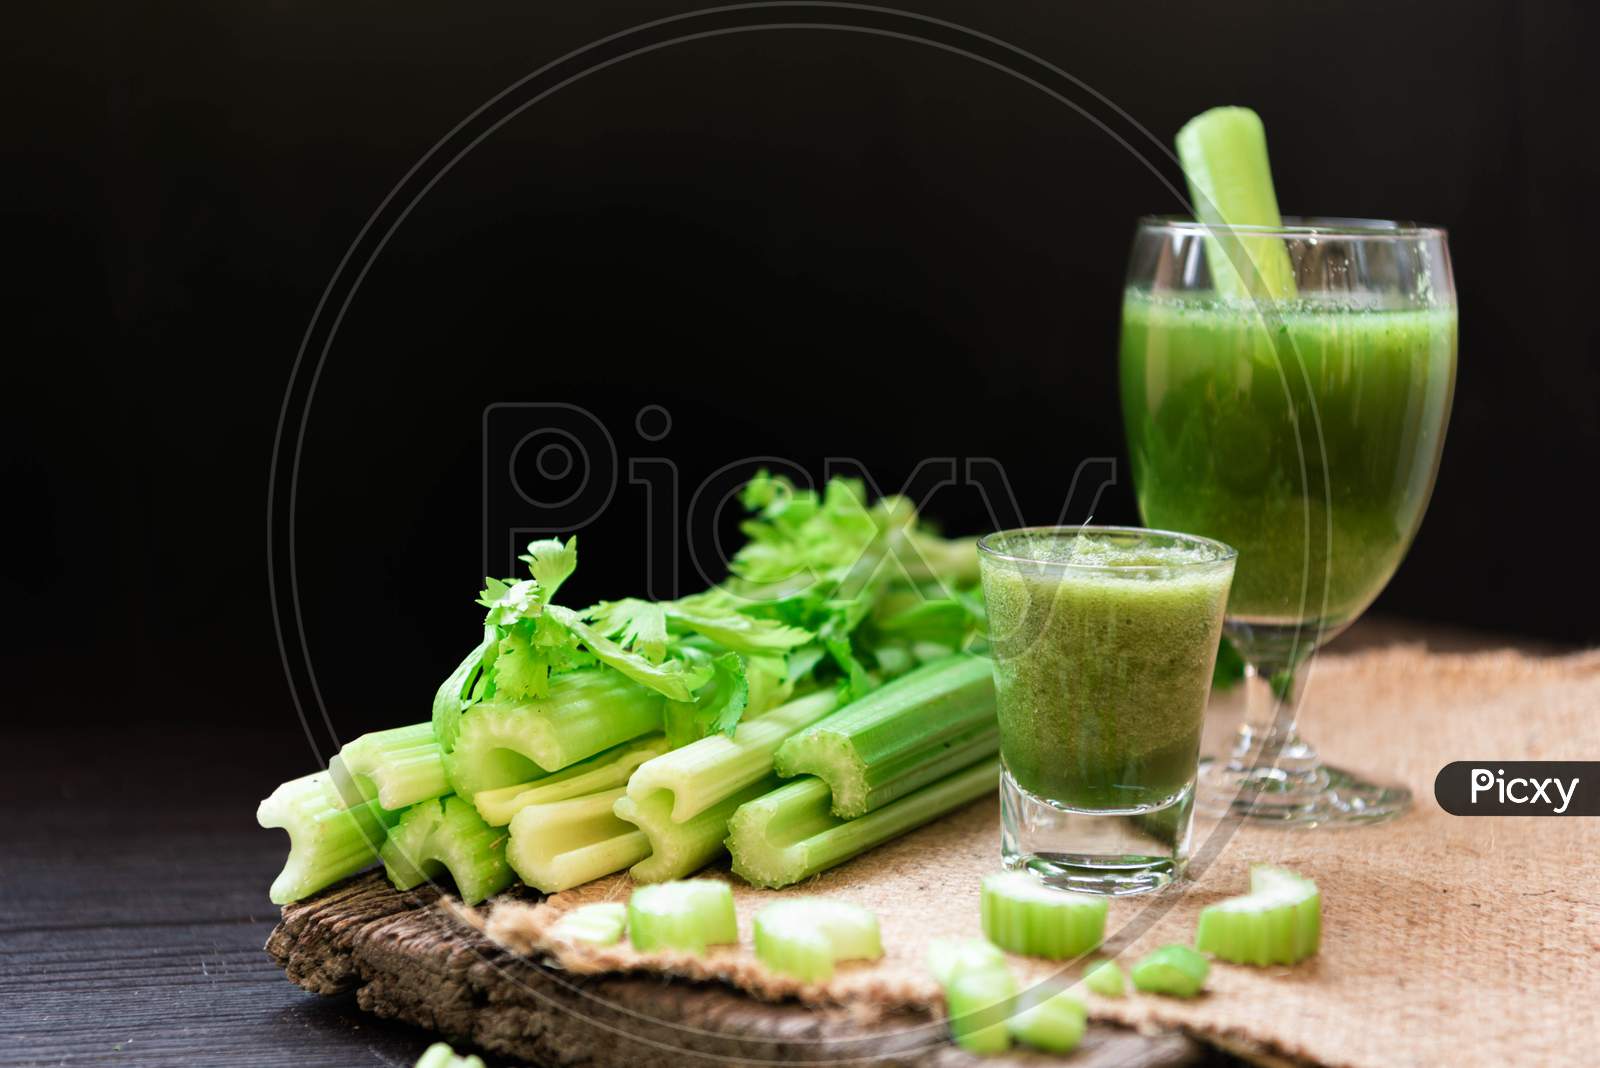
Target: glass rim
<point>1329,226</point>
<point>1226,554</point>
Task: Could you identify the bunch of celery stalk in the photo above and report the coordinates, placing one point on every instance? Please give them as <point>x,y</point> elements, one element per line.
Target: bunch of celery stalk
<point>816,704</point>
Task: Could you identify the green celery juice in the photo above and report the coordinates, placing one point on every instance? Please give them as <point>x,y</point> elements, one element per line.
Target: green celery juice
<point>1104,644</point>
<point>1215,430</point>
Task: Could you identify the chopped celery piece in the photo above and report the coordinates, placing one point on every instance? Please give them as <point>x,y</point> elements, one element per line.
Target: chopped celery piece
<point>949,956</point>
<point>606,771</point>
<point>1054,1022</point>
<point>1175,970</point>
<point>440,1055</point>
<point>447,835</point>
<point>790,834</point>
<point>1105,979</point>
<point>1278,922</point>
<point>1024,916</point>
<point>586,712</point>
<point>910,732</point>
<point>805,936</point>
<point>714,768</point>
<point>1224,157</point>
<point>565,843</point>
<point>398,767</point>
<point>327,842</point>
<point>680,849</point>
<point>684,915</point>
<point>980,1002</point>
<point>599,924</point>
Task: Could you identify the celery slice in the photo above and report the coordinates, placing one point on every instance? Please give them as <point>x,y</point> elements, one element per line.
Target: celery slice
<point>560,845</point>
<point>604,771</point>
<point>1175,970</point>
<point>805,936</point>
<point>680,849</point>
<point>682,915</point>
<point>440,1055</point>
<point>1278,922</point>
<point>586,712</point>
<point>327,842</point>
<point>790,834</point>
<point>599,924</point>
<point>708,771</point>
<point>1054,1021</point>
<point>979,1003</point>
<point>910,732</point>
<point>398,767</point>
<point>1024,916</point>
<point>1105,979</point>
<point>447,835</point>
<point>1224,157</point>
<point>949,956</point>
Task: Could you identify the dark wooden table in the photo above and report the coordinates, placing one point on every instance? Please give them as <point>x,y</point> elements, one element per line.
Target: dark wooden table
<point>133,904</point>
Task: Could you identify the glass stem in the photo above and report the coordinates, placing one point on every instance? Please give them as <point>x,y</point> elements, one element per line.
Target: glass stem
<point>1268,749</point>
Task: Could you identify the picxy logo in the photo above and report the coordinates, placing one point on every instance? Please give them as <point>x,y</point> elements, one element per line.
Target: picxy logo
<point>1522,791</point>
<point>1519,788</point>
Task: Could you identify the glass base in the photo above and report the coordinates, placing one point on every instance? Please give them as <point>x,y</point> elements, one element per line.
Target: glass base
<point>1115,852</point>
<point>1310,797</point>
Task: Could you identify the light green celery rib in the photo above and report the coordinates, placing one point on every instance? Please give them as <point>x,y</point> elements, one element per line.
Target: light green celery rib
<point>560,845</point>
<point>679,849</point>
<point>446,835</point>
<point>790,834</point>
<point>604,771</point>
<point>327,842</point>
<point>586,712</point>
<point>900,737</point>
<point>708,771</point>
<point>396,767</point>
<point>1224,157</point>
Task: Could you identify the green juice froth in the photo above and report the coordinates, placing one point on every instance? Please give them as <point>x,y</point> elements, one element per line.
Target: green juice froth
<point>1102,676</point>
<point>1220,421</point>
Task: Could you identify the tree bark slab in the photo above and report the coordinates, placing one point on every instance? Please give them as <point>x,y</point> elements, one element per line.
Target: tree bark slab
<point>410,959</point>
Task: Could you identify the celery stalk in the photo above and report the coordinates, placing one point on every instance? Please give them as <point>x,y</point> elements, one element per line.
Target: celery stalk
<point>1022,915</point>
<point>1105,979</point>
<point>680,849</point>
<point>979,1003</point>
<point>682,915</point>
<point>440,1055</point>
<point>327,842</point>
<point>1053,1021</point>
<point>398,767</point>
<point>586,712</point>
<point>948,957</point>
<point>1278,922</point>
<point>790,834</point>
<point>605,771</point>
<point>1224,157</point>
<point>447,835</point>
<point>805,936</point>
<point>1174,970</point>
<point>710,770</point>
<point>910,732</point>
<point>560,845</point>
<point>597,924</point>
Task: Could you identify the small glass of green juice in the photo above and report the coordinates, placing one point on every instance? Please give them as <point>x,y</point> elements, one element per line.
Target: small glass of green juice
<point>1104,640</point>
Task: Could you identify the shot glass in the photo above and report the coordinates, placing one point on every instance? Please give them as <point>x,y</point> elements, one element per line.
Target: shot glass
<point>1104,640</point>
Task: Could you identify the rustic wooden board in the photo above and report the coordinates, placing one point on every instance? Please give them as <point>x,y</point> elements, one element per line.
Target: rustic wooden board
<point>408,959</point>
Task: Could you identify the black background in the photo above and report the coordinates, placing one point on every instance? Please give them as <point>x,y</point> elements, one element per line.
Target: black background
<point>801,243</point>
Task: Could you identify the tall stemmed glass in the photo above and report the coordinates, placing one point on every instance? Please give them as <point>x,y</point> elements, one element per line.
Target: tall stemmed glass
<point>1305,432</point>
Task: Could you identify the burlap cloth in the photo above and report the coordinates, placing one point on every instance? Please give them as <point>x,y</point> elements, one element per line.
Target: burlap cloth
<point>1447,941</point>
